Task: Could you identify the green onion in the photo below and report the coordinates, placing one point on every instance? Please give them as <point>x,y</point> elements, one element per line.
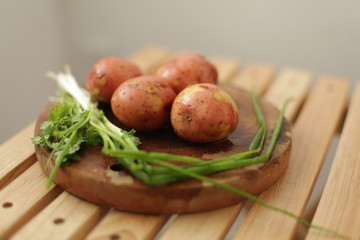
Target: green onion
<point>77,121</point>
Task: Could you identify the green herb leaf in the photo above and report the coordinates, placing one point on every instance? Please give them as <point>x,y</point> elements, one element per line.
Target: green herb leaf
<point>37,140</point>
<point>92,137</point>
<point>77,120</point>
<point>59,112</point>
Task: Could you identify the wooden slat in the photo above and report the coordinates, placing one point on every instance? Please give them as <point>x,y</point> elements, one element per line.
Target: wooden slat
<point>226,67</point>
<point>16,155</point>
<point>311,137</point>
<point>146,58</point>
<point>136,222</point>
<point>212,224</point>
<point>23,198</point>
<point>206,225</point>
<point>290,82</point>
<point>149,58</point>
<point>143,58</point>
<point>338,207</point>
<point>254,75</point>
<point>67,217</point>
<point>123,225</point>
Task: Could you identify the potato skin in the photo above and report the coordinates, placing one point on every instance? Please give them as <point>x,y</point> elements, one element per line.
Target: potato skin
<point>186,70</point>
<point>107,74</point>
<point>143,103</point>
<point>204,113</point>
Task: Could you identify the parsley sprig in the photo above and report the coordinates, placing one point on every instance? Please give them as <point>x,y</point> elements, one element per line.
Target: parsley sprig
<point>76,120</point>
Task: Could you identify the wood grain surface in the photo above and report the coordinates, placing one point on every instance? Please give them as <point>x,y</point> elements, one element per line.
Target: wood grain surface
<point>92,178</point>
<point>28,209</point>
<point>16,155</point>
<point>311,137</point>
<point>221,220</point>
<point>66,217</point>
<point>23,198</point>
<point>338,207</point>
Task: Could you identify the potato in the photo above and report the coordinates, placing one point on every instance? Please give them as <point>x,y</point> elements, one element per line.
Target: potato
<point>204,113</point>
<point>186,70</point>
<point>143,103</point>
<point>107,74</point>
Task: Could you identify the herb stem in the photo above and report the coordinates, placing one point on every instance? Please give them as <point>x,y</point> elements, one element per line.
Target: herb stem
<point>59,159</point>
<point>247,196</point>
<point>64,134</point>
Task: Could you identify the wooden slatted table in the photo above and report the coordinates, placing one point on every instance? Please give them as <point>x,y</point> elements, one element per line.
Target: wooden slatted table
<point>321,109</point>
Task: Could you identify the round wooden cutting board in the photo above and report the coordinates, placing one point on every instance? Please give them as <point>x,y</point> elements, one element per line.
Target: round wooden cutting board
<point>96,177</point>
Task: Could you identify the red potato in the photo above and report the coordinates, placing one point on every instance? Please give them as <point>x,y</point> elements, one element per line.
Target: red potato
<point>143,103</point>
<point>107,74</point>
<point>204,113</point>
<point>186,70</point>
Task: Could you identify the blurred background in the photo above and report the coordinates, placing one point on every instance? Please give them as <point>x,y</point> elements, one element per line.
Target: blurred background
<point>41,35</point>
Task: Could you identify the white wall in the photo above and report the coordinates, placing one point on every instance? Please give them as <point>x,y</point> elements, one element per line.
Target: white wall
<point>322,36</point>
<point>31,43</point>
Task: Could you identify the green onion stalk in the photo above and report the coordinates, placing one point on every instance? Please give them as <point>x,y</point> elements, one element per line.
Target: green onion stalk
<point>77,120</point>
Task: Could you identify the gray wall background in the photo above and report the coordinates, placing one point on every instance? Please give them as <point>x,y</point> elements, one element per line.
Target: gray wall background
<point>40,35</point>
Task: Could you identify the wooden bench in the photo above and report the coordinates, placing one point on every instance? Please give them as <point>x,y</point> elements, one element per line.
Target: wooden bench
<point>322,108</point>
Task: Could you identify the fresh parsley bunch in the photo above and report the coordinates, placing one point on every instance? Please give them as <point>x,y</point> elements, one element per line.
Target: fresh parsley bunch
<point>76,120</point>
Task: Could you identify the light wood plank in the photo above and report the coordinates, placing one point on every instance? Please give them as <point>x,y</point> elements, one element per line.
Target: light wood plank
<point>126,225</point>
<point>338,207</point>
<point>136,222</point>
<point>311,137</point>
<point>67,217</point>
<point>147,58</point>
<point>290,82</point>
<point>23,198</point>
<point>206,225</point>
<point>16,155</point>
<point>151,57</point>
<point>123,225</point>
<point>254,75</point>
<point>226,67</point>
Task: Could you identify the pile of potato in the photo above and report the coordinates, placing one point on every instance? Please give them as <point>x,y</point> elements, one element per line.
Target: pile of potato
<point>183,92</point>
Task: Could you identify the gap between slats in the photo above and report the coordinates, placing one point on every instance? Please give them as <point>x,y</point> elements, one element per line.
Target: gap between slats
<point>16,155</point>
<point>23,198</point>
<point>66,217</point>
<point>126,225</point>
<point>159,60</point>
<point>217,222</point>
<point>227,68</point>
<point>291,83</point>
<point>337,208</point>
<point>21,143</point>
<point>298,81</point>
<point>322,178</point>
<point>257,76</point>
<point>313,202</point>
<point>148,59</point>
<point>309,131</point>
<point>17,171</point>
<point>173,232</point>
